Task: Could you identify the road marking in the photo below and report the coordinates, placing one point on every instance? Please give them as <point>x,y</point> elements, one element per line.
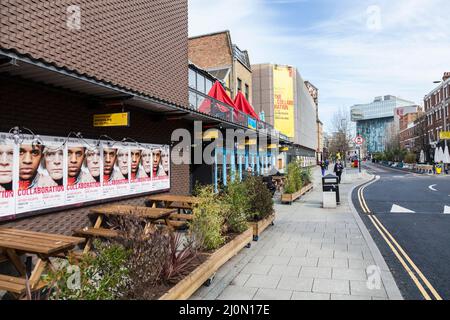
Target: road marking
<point>402,262</point>
<point>446,210</point>
<point>398,209</point>
<point>432,187</point>
<point>399,252</point>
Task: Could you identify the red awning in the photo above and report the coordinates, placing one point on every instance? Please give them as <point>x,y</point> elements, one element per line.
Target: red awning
<point>244,106</point>
<point>217,92</point>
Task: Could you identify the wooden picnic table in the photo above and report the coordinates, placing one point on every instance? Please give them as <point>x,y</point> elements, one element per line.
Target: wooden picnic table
<point>149,214</point>
<point>14,242</point>
<point>173,201</point>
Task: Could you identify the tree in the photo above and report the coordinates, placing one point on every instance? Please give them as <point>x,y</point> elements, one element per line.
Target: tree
<point>340,141</point>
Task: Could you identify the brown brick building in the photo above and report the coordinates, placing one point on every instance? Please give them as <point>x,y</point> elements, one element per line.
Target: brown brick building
<point>217,54</point>
<point>60,65</point>
<point>437,104</point>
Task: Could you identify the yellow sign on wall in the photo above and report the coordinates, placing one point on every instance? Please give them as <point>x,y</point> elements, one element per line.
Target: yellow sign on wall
<point>283,87</point>
<point>112,120</point>
<point>445,135</point>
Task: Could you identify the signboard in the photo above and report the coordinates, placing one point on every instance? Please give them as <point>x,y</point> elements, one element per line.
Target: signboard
<point>444,135</point>
<point>359,140</point>
<point>251,123</point>
<point>283,87</point>
<point>112,120</point>
<point>56,172</point>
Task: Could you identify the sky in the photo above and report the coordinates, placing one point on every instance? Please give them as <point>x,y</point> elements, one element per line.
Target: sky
<point>352,50</point>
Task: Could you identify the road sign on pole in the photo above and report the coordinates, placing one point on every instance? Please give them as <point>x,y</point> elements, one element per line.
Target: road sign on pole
<point>359,140</point>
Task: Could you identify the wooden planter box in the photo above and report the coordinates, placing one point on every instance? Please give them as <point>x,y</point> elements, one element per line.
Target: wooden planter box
<point>291,197</point>
<point>260,226</point>
<point>186,287</point>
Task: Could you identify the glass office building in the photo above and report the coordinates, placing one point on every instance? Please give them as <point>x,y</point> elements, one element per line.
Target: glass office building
<point>373,120</point>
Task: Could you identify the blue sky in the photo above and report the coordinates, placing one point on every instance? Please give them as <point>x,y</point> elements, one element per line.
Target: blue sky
<point>352,50</point>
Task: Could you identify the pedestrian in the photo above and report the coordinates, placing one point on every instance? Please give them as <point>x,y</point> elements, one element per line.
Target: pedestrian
<point>323,167</point>
<point>338,168</point>
<point>327,163</point>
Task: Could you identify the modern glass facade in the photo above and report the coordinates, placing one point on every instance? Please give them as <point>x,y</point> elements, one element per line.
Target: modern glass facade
<point>373,120</point>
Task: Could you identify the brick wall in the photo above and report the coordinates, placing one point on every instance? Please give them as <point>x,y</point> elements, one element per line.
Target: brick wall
<point>139,45</point>
<point>49,111</point>
<point>212,51</point>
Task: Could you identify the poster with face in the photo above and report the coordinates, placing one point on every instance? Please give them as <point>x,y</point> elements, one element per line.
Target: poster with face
<point>83,172</point>
<point>158,173</point>
<point>116,171</point>
<point>141,168</point>
<point>7,159</point>
<point>41,174</point>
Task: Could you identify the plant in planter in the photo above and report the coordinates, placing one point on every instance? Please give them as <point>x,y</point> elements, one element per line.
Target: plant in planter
<point>294,178</point>
<point>260,198</point>
<point>206,226</point>
<point>236,216</point>
<point>306,176</point>
<point>99,277</point>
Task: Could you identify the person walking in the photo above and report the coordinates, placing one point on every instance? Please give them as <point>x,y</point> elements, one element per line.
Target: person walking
<point>338,168</point>
<point>323,167</point>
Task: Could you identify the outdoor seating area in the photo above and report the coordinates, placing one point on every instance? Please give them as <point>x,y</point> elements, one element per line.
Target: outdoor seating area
<point>16,243</point>
<point>218,226</point>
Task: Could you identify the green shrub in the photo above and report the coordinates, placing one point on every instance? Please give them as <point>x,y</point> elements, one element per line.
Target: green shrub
<point>410,157</point>
<point>209,213</point>
<point>260,198</point>
<point>98,277</point>
<point>235,196</point>
<point>294,178</point>
<point>306,176</point>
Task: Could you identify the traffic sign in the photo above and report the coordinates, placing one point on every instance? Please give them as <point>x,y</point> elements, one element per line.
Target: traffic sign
<point>359,140</point>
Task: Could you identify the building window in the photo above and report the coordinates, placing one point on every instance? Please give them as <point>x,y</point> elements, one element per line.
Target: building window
<point>239,84</point>
<point>200,83</point>
<point>247,91</point>
<point>208,86</point>
<point>192,79</point>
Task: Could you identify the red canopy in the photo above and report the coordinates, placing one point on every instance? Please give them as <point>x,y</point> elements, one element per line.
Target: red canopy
<point>217,92</point>
<point>243,105</point>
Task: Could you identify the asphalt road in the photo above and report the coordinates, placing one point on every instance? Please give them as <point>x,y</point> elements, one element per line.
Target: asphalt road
<point>411,209</point>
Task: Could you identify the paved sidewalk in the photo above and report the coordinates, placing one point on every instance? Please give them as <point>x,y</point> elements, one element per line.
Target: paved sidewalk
<point>310,254</point>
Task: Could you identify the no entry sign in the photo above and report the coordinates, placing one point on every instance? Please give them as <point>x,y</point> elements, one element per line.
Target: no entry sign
<point>359,140</point>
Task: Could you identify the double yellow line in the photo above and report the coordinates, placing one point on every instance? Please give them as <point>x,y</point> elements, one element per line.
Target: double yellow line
<point>410,267</point>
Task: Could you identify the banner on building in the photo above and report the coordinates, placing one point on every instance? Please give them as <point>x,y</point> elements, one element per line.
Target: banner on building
<point>444,135</point>
<point>283,87</point>
<point>50,172</point>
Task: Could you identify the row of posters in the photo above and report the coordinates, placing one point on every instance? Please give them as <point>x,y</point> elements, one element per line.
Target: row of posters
<point>54,172</point>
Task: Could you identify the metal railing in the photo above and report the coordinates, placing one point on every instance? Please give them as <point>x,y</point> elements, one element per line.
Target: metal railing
<point>203,103</point>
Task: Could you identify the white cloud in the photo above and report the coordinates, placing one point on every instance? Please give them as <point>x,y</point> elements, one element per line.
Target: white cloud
<point>347,61</point>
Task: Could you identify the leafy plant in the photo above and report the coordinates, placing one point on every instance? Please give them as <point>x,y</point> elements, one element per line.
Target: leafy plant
<point>294,178</point>
<point>306,175</point>
<point>206,225</point>
<point>179,260</point>
<point>260,198</point>
<point>98,277</point>
<point>238,206</point>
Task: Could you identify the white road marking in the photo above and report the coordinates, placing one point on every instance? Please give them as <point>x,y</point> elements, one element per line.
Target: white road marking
<point>446,210</point>
<point>398,209</point>
<point>432,187</point>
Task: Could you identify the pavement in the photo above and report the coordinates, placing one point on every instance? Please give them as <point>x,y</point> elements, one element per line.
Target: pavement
<point>408,216</point>
<point>310,253</point>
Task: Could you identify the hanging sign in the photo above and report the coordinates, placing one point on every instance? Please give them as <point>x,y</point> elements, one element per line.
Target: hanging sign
<point>112,120</point>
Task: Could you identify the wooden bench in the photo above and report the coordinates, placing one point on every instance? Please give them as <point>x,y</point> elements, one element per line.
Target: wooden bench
<point>180,216</point>
<point>98,233</point>
<point>17,285</point>
<point>3,258</point>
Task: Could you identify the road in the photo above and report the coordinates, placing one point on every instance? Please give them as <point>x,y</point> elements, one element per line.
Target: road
<point>408,216</point>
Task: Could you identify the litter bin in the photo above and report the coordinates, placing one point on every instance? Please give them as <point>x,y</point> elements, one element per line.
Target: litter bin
<point>330,183</point>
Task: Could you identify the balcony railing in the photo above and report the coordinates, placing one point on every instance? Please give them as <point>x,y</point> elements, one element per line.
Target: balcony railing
<point>225,112</point>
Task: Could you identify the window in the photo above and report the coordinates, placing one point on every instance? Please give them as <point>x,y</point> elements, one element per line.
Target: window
<point>200,83</point>
<point>247,91</point>
<point>208,86</point>
<point>192,80</point>
<point>239,84</point>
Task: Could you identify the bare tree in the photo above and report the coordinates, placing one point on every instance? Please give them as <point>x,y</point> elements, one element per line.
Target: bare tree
<point>340,141</point>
